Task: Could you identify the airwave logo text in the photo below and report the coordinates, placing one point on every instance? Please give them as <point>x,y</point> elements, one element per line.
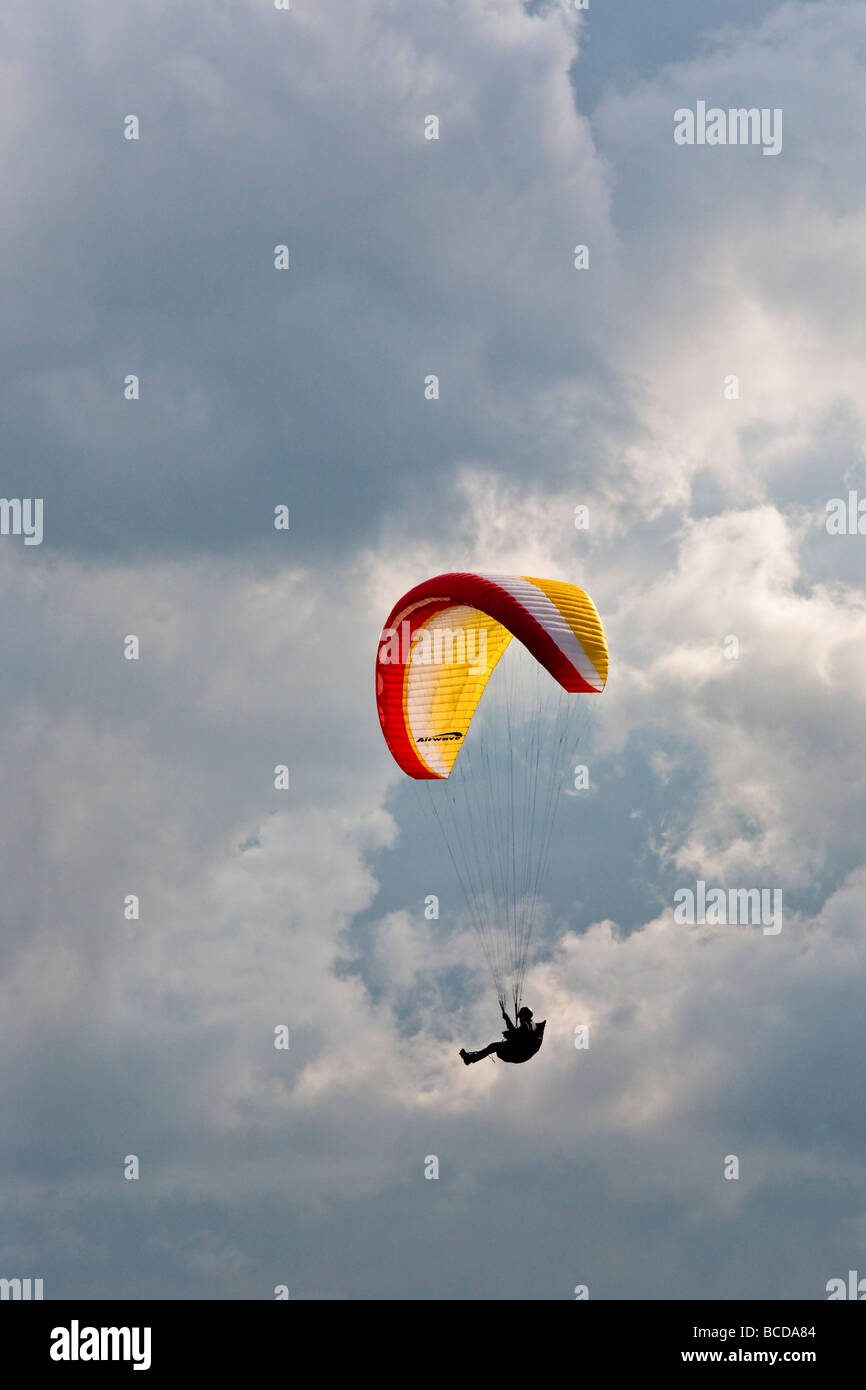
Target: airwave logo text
<point>76,1343</point>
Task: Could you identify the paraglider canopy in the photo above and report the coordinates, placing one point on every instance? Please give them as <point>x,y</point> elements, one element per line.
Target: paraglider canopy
<point>438,650</point>
<point>443,639</point>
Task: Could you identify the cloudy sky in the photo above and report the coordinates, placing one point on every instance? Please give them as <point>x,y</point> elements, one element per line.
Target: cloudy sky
<point>608,387</point>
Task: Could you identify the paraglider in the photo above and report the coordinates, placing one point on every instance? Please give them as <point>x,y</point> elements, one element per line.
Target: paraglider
<point>493,789</point>
<point>522,1040</point>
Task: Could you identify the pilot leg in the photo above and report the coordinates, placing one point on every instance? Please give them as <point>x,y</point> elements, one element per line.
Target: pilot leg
<point>470,1057</point>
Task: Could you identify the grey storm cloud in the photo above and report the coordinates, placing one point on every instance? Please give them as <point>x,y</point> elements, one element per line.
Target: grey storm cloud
<point>559,387</point>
